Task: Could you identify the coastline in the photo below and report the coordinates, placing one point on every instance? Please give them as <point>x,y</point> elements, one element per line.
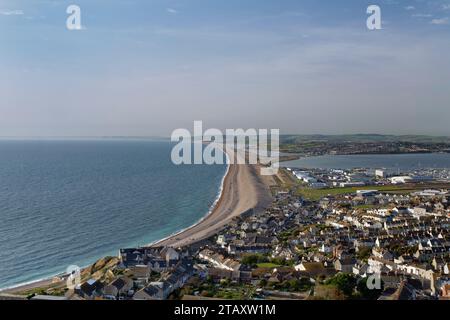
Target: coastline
<point>241,189</point>
<point>210,211</point>
<point>30,285</point>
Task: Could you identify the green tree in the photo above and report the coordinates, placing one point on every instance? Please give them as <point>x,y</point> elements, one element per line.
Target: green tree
<point>345,282</point>
<point>253,259</point>
<point>364,253</point>
<point>366,293</point>
<point>263,283</point>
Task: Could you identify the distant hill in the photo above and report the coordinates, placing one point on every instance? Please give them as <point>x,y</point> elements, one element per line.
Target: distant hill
<point>362,138</point>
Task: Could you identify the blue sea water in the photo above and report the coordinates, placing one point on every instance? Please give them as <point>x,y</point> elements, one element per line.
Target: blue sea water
<point>71,202</point>
<point>392,162</point>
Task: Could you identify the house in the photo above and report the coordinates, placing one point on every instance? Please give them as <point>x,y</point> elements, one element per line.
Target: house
<point>235,249</point>
<point>118,287</point>
<point>403,259</point>
<point>428,253</point>
<point>439,264</point>
<point>275,278</point>
<point>158,259</point>
<point>158,264</point>
<point>161,290</point>
<point>377,265</point>
<point>344,265</point>
<point>311,269</point>
<point>390,280</point>
<point>150,292</point>
<point>131,257</point>
<point>382,253</point>
<point>363,243</point>
<point>360,269</point>
<point>90,289</point>
<point>325,249</point>
<point>219,261</point>
<point>405,291</point>
<point>170,254</point>
<point>140,272</point>
<point>224,239</point>
<point>418,211</point>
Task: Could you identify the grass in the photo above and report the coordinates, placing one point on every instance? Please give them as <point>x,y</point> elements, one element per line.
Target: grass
<point>268,265</point>
<point>317,194</point>
<point>235,293</point>
<point>54,290</point>
<point>225,290</point>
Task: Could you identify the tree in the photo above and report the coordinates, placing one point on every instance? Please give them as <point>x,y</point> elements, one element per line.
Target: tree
<point>345,282</point>
<point>365,292</point>
<point>364,253</point>
<point>253,259</point>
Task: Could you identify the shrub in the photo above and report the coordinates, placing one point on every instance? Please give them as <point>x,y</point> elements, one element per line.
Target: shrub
<point>345,282</point>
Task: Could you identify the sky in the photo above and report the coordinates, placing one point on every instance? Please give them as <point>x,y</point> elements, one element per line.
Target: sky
<point>148,67</point>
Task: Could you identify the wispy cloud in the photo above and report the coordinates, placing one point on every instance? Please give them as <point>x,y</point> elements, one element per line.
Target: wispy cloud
<point>440,21</point>
<point>172,11</point>
<point>422,15</point>
<point>446,6</point>
<point>11,12</point>
<point>409,8</point>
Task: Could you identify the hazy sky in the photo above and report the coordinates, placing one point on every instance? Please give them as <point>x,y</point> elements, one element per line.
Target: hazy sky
<point>149,67</point>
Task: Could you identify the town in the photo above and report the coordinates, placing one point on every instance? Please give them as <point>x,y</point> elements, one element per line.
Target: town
<point>315,145</point>
<point>329,234</point>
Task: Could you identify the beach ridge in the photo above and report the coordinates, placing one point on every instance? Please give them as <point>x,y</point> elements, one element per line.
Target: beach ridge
<point>243,189</point>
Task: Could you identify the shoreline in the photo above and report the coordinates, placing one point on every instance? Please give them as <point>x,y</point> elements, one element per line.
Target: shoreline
<point>30,285</point>
<point>210,211</point>
<point>241,189</point>
<point>45,281</point>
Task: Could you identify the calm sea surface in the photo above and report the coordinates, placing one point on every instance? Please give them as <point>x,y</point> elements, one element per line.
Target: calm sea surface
<point>72,202</point>
<point>388,161</point>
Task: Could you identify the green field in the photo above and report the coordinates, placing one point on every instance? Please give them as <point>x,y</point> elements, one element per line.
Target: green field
<point>317,194</point>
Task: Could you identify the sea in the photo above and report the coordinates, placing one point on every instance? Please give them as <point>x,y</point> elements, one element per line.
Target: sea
<point>390,162</point>
<point>71,202</point>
